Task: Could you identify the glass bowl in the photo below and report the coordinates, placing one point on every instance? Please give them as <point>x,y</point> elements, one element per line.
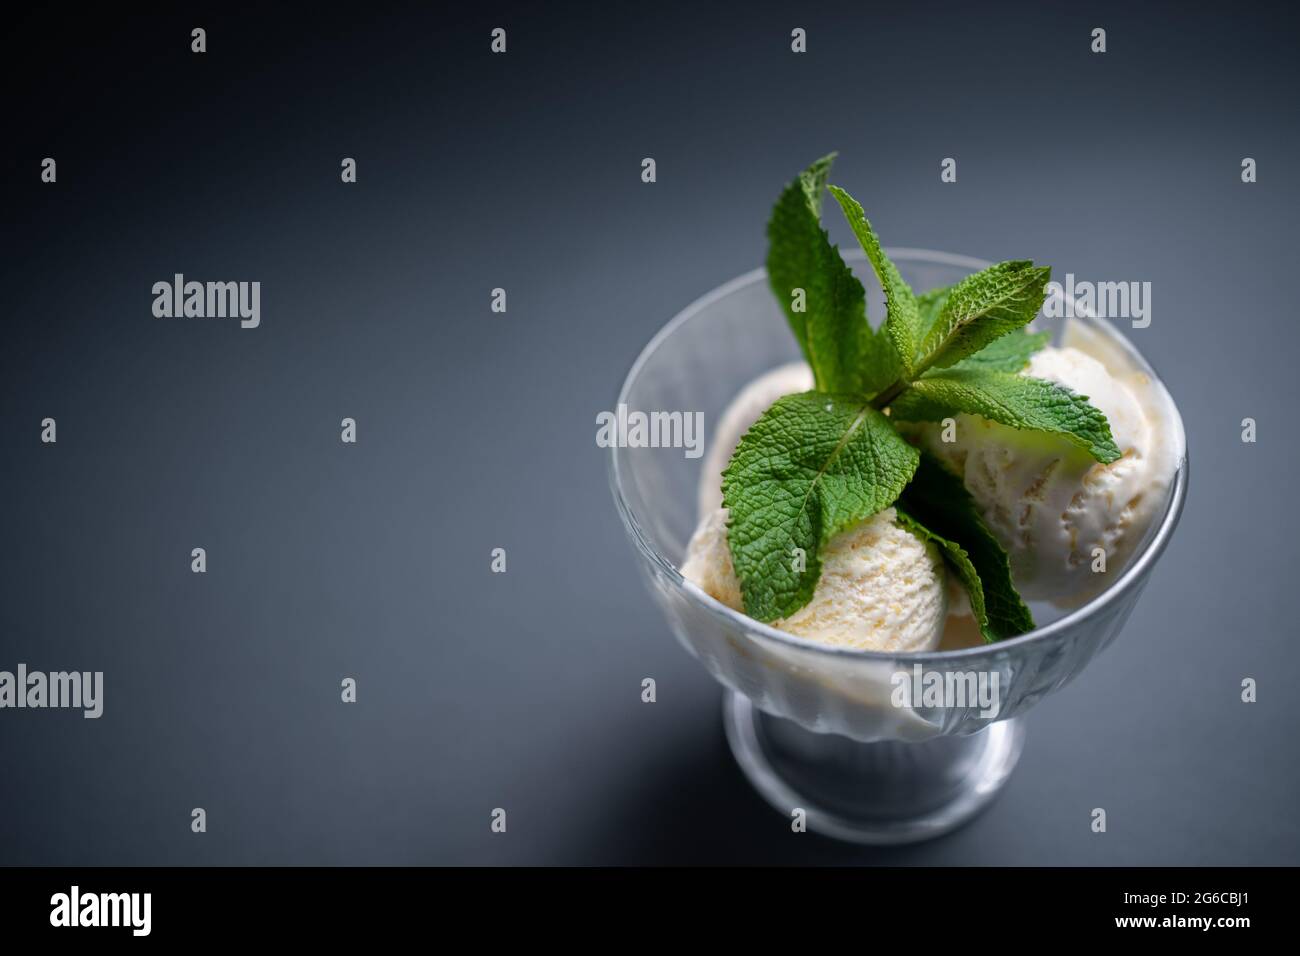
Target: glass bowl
<point>821,729</point>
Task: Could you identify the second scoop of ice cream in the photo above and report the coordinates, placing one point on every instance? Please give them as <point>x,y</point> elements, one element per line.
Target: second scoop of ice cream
<point>1059,513</point>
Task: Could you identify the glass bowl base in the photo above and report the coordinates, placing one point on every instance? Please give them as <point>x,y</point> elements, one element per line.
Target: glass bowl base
<point>882,793</point>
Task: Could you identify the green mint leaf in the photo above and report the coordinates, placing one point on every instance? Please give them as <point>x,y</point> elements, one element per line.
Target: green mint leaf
<point>1016,400</point>
<point>983,307</point>
<point>928,305</point>
<point>902,321</point>
<point>813,465</point>
<point>937,506</point>
<point>832,328</point>
<point>1011,353</point>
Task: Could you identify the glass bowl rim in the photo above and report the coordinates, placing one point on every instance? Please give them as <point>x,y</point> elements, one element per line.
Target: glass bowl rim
<point>1139,565</point>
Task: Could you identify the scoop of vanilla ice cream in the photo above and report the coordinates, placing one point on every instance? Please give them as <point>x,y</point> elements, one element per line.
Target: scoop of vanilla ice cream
<point>1049,502</point>
<point>881,587</point>
<point>708,561</point>
<point>752,401</point>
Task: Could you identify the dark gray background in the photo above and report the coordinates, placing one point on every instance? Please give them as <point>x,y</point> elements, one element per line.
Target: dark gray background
<point>477,430</point>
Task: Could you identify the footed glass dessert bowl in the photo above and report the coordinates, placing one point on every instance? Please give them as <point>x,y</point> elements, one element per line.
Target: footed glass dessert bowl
<point>854,738</point>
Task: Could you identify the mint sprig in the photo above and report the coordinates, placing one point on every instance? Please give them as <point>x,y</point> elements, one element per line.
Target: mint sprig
<point>816,464</point>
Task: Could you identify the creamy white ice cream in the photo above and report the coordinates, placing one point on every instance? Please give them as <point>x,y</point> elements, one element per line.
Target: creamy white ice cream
<point>881,587</point>
<point>1051,504</point>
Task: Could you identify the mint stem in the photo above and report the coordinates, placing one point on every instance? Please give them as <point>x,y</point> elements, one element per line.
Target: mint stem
<point>882,400</point>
